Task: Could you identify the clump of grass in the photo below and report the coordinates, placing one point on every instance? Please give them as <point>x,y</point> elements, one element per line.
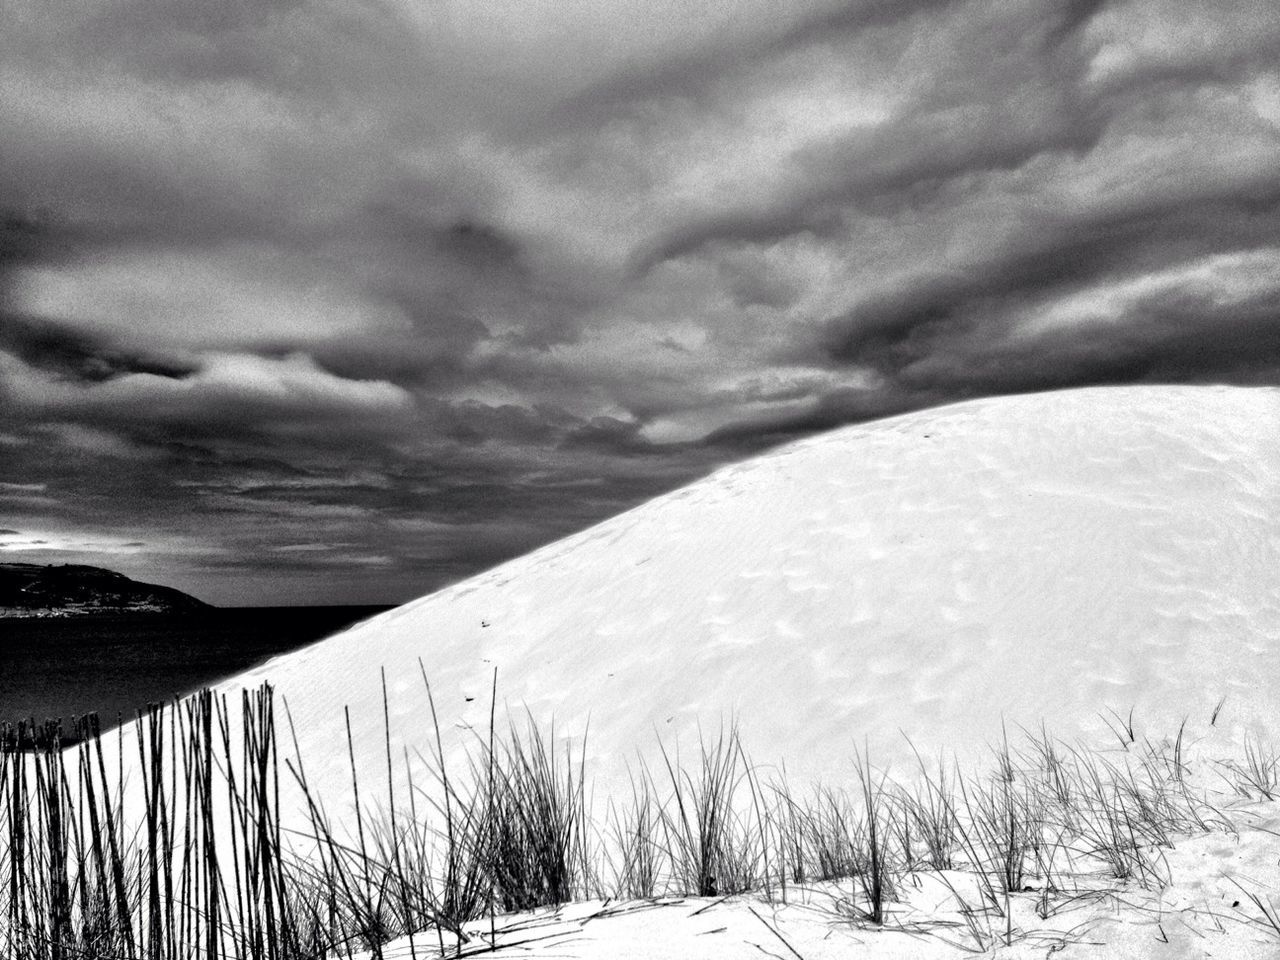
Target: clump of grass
<point>1001,837</point>
<point>711,850</point>
<point>872,863</point>
<point>1259,774</point>
<point>536,835</point>
<point>1048,760</point>
<point>634,830</point>
<point>1108,823</point>
<point>833,836</point>
<point>931,811</point>
<point>791,833</point>
<point>818,836</point>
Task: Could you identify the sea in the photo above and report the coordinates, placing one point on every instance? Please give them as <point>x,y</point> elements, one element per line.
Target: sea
<point>60,668</point>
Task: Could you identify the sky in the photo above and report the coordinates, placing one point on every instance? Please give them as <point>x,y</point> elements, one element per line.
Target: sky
<point>339,301</point>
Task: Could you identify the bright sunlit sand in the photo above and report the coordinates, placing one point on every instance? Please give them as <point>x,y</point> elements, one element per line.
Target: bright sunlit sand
<point>1044,558</point>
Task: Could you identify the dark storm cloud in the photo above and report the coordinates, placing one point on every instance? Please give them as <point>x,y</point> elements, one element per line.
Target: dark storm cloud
<point>80,356</point>
<point>1178,334</point>
<point>962,122</point>
<point>985,111</point>
<point>307,301</point>
<point>1056,256</point>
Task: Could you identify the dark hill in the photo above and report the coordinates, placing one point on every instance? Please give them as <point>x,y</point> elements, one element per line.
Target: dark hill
<point>69,590</point>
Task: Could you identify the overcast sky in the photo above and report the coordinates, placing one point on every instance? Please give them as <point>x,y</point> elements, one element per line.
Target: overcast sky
<point>341,300</point>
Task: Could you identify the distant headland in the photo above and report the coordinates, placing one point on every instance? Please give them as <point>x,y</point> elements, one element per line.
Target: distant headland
<point>72,590</point>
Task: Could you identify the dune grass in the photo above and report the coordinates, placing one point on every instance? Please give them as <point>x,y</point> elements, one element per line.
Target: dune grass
<point>190,859</point>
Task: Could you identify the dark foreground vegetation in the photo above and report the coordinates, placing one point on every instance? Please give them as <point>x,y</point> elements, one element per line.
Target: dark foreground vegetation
<point>191,859</point>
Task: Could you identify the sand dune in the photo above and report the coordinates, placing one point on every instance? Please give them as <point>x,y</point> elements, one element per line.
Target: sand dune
<point>1021,559</point>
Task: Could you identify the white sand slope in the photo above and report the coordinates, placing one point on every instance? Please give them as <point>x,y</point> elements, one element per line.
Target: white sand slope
<point>1030,558</point>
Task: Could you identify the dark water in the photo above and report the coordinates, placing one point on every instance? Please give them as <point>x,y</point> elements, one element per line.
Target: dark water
<point>59,668</point>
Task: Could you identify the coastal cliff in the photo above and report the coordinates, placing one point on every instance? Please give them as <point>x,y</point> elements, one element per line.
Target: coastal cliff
<point>72,590</point>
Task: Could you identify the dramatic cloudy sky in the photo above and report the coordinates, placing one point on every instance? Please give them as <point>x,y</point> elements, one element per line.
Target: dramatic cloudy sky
<point>339,300</point>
